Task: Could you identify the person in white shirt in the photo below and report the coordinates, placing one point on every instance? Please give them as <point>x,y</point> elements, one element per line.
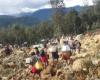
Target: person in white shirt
<point>71,44</point>
<point>66,51</point>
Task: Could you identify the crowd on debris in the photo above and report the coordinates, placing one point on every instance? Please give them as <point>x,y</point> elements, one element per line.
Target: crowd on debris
<point>56,59</point>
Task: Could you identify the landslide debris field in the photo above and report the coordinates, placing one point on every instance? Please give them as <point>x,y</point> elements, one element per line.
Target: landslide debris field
<point>85,66</point>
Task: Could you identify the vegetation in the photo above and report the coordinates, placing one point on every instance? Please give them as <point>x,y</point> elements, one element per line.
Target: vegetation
<point>61,24</point>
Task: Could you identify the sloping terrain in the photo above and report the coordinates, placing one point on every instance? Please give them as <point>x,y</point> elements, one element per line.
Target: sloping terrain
<point>85,66</point>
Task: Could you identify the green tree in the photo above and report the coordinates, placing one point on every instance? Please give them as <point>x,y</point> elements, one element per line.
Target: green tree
<point>72,22</point>
<point>58,23</point>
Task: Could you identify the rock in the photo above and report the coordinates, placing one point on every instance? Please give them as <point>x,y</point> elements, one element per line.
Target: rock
<point>79,37</point>
<point>20,52</point>
<point>98,70</point>
<point>12,64</point>
<point>4,78</point>
<point>46,72</point>
<point>78,65</point>
<point>68,76</point>
<point>96,37</point>
<point>95,61</point>
<point>59,72</point>
<point>80,75</point>
<point>81,64</point>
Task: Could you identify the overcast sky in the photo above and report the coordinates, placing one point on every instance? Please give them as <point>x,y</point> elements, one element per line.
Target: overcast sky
<point>18,6</point>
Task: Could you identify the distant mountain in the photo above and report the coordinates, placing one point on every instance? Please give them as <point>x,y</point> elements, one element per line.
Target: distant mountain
<point>31,18</point>
<point>6,20</point>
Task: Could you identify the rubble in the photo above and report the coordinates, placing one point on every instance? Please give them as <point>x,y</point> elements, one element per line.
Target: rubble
<point>85,66</point>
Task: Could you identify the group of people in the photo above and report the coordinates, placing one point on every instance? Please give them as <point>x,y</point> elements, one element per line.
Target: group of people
<point>51,52</point>
<point>38,59</point>
<point>74,45</point>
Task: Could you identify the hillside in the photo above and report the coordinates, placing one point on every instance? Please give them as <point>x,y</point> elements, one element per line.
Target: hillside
<point>31,18</point>
<point>85,66</point>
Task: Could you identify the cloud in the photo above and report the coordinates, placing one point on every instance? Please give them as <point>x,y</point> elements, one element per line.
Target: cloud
<point>70,3</point>
<point>18,6</point>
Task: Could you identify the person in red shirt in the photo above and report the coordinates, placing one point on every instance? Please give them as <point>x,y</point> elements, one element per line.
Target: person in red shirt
<point>43,58</point>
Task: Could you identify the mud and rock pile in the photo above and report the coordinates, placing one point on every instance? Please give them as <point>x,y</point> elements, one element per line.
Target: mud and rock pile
<point>85,66</point>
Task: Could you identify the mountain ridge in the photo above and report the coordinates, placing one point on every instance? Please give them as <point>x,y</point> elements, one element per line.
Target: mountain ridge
<point>31,18</point>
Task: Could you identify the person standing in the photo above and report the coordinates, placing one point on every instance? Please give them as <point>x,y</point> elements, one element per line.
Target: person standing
<point>71,44</point>
<point>54,53</point>
<point>66,52</point>
<point>77,46</point>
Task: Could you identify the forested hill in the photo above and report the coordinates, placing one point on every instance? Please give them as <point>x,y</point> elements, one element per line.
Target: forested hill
<point>29,19</point>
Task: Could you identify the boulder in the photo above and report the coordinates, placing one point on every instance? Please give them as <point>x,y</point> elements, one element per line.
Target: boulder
<point>81,64</point>
<point>79,37</point>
